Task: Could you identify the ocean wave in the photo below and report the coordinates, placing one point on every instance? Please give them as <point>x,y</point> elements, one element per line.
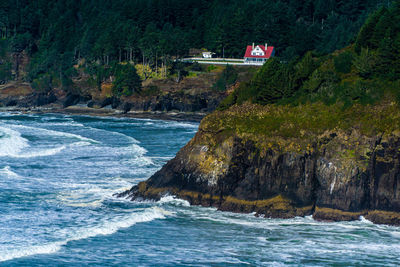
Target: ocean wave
<point>172,124</point>
<point>73,124</point>
<point>79,144</point>
<point>362,219</point>
<point>48,132</point>
<point>104,228</point>
<point>9,173</point>
<point>40,153</point>
<point>31,250</point>
<point>139,156</point>
<point>159,123</point>
<point>183,125</point>
<point>11,142</point>
<point>90,194</point>
<point>129,138</point>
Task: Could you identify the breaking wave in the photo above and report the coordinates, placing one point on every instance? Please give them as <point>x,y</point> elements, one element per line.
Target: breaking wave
<point>104,228</point>
<point>11,142</point>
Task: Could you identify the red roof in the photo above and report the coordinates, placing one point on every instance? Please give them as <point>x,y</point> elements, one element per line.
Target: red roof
<point>267,52</point>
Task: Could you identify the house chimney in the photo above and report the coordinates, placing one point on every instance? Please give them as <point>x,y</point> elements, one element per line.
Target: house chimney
<point>253,46</point>
<point>266,46</point>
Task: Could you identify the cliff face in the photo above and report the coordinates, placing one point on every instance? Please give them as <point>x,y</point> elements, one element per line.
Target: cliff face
<point>335,172</point>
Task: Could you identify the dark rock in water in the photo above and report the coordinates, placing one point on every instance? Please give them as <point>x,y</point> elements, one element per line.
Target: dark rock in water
<point>115,102</point>
<point>91,104</point>
<point>126,107</point>
<point>71,99</point>
<point>85,98</point>
<point>174,101</point>
<point>106,102</point>
<point>45,99</point>
<point>35,99</point>
<point>12,102</point>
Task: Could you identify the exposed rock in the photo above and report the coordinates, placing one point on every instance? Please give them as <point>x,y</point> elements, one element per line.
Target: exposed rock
<point>44,99</point>
<point>11,102</point>
<point>71,99</point>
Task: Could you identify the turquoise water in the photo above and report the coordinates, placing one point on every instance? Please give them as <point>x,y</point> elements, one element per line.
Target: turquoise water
<point>58,175</point>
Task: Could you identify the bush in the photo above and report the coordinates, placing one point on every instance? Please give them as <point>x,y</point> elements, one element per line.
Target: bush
<point>5,72</point>
<point>196,67</point>
<point>211,68</point>
<point>343,62</point>
<point>241,95</point>
<point>227,78</point>
<point>151,90</point>
<point>365,63</point>
<point>43,83</point>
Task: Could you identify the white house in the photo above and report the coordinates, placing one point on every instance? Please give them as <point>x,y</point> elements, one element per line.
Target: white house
<point>257,55</point>
<point>208,54</point>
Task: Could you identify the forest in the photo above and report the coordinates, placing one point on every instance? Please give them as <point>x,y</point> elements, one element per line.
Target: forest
<point>58,34</point>
<point>363,72</point>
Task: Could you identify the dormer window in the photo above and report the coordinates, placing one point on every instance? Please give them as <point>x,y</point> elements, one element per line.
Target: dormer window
<point>257,51</point>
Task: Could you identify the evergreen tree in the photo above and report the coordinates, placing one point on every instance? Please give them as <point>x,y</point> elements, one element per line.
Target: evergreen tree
<point>127,81</point>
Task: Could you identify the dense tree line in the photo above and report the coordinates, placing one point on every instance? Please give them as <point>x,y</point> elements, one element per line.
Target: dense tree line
<point>363,72</point>
<point>58,33</point>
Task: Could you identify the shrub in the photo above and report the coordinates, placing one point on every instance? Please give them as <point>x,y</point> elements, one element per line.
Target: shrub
<point>343,62</point>
<point>5,72</point>
<point>43,83</point>
<point>151,90</point>
<point>196,67</point>
<point>227,78</point>
<point>211,68</point>
<point>365,63</point>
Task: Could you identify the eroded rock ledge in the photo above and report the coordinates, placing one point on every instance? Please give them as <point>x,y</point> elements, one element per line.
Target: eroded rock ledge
<point>333,174</point>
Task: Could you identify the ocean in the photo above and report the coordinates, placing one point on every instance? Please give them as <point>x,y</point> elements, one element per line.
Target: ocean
<point>58,175</point>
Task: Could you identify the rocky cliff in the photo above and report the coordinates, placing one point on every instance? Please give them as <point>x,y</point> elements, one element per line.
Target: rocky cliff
<point>280,161</point>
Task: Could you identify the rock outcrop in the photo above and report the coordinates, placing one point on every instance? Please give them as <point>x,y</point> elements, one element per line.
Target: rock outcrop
<point>335,173</point>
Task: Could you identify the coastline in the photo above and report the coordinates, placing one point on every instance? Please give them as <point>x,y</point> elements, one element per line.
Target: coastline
<point>108,112</point>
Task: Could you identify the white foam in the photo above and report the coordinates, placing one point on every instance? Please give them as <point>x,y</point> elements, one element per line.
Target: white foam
<point>31,250</point>
<point>11,142</point>
<point>81,143</point>
<point>174,201</point>
<point>40,153</point>
<point>90,194</point>
<point>73,124</point>
<point>139,155</point>
<point>362,219</point>
<point>174,124</point>
<point>104,228</point>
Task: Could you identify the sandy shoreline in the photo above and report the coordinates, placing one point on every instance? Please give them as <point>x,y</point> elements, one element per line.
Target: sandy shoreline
<point>108,112</point>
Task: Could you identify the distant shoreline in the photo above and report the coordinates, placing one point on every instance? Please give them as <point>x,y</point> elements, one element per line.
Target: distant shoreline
<point>108,112</point>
